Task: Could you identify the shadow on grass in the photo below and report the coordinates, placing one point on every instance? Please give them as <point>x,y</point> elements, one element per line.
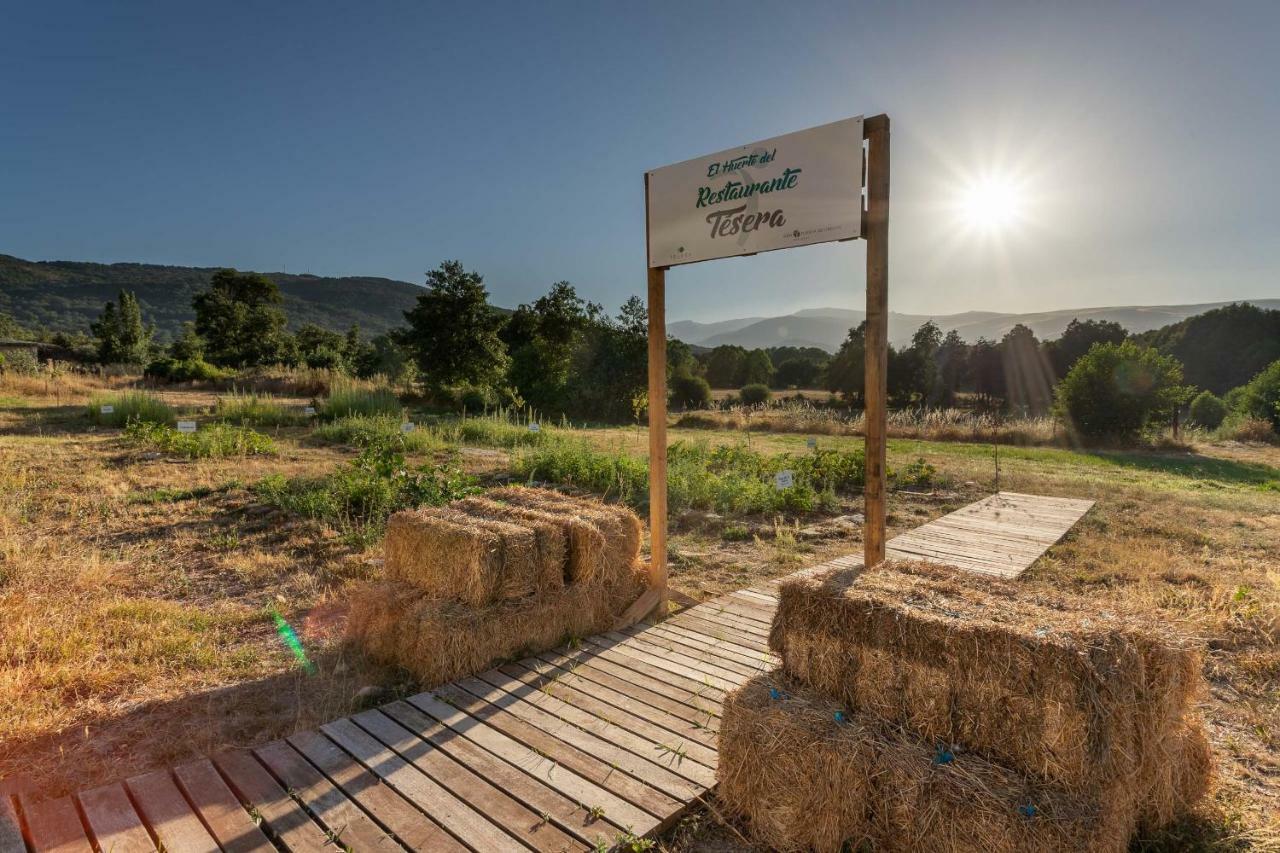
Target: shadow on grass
<point>32,420</point>
<point>1192,466</point>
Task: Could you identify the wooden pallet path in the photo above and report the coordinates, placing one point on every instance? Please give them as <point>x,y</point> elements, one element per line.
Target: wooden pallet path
<point>564,750</point>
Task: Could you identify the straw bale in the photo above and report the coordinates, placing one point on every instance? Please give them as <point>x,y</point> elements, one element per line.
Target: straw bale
<point>439,640</point>
<point>583,540</point>
<point>446,552</point>
<point>620,528</point>
<point>552,536</point>
<point>1078,697</point>
<point>807,781</point>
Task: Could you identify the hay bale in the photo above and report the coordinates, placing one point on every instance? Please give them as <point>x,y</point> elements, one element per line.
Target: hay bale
<point>439,640</point>
<point>1081,698</point>
<point>553,536</point>
<point>449,553</point>
<point>619,528</point>
<point>584,542</point>
<point>806,781</point>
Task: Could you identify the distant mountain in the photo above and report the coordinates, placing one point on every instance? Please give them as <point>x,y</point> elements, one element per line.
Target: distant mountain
<point>827,327</point>
<point>68,295</point>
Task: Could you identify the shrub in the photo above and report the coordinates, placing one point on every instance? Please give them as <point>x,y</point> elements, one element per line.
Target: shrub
<point>690,392</point>
<point>257,409</point>
<point>474,400</point>
<point>20,362</point>
<point>346,399</point>
<point>1116,391</point>
<point>1261,397</point>
<point>185,370</point>
<point>1239,427</point>
<point>755,394</point>
<point>1208,410</point>
<point>214,440</point>
<point>914,475</point>
<point>358,497</point>
<point>376,430</point>
<point>128,407</point>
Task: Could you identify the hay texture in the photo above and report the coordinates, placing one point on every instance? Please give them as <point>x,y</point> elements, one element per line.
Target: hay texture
<point>1093,701</point>
<point>450,553</point>
<point>610,555</point>
<point>807,779</point>
<point>441,639</point>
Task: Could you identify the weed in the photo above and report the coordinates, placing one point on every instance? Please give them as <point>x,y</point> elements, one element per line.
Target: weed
<point>215,440</point>
<point>249,408</point>
<point>127,407</point>
<point>346,399</point>
<point>370,430</point>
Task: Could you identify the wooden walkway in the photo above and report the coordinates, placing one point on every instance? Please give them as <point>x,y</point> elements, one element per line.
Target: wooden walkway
<point>568,750</point>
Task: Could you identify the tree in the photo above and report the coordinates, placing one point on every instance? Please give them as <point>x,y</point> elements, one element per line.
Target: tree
<point>1078,338</point>
<point>453,331</point>
<point>953,368</point>
<point>1223,348</point>
<point>725,366</point>
<point>986,369</point>
<point>1117,391</point>
<point>1028,379</point>
<point>846,372</point>
<point>754,394</point>
<point>610,375</point>
<point>122,337</point>
<point>385,356</point>
<point>1261,398</point>
<point>240,319</point>
<point>913,372</point>
<point>757,369</point>
<point>689,391</point>
<point>320,348</point>
<point>1208,410</point>
<point>188,346</point>
<point>797,373</point>
<point>542,339</point>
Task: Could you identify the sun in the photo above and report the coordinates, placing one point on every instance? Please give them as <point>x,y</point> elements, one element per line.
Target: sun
<point>991,203</point>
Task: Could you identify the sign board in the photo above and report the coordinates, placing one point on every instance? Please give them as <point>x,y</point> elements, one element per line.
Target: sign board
<point>406,427</point>
<point>533,427</point>
<point>812,443</point>
<point>186,426</point>
<point>107,410</point>
<point>784,480</point>
<point>309,410</point>
<point>792,190</point>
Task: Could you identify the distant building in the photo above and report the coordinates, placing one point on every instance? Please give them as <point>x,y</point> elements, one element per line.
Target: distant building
<point>11,348</point>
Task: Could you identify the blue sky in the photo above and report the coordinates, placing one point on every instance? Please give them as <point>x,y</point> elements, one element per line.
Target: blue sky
<point>381,138</point>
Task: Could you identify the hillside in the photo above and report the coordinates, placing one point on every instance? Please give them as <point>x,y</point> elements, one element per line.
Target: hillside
<point>68,295</point>
<point>827,327</point>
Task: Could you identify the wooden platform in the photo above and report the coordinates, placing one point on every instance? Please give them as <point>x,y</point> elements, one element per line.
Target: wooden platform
<point>564,750</point>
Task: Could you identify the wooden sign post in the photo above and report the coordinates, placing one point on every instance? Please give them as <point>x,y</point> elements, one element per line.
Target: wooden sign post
<point>793,190</point>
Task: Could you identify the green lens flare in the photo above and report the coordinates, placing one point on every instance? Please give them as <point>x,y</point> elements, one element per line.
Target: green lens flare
<point>290,637</point>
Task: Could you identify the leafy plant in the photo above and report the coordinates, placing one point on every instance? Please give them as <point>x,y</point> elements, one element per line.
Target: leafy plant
<point>1116,391</point>
<point>214,440</point>
<point>1208,410</point>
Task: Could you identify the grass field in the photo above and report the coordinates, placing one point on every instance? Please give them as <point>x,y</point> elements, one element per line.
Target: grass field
<point>140,585</point>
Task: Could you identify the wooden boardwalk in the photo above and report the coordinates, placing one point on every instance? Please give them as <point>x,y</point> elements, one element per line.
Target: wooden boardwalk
<point>565,750</point>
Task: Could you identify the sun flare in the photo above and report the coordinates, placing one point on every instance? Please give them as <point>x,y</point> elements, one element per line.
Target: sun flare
<point>991,203</point>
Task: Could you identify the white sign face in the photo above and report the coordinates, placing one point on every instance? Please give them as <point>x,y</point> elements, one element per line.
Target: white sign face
<point>533,427</point>
<point>107,410</point>
<point>784,480</point>
<point>186,426</point>
<point>793,190</point>
<point>309,410</point>
<point>812,443</point>
<point>406,427</point>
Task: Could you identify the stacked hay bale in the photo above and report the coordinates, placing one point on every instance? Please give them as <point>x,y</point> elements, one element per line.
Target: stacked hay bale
<point>487,579</point>
<point>920,708</point>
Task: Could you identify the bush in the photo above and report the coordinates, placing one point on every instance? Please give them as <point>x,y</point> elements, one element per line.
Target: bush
<point>20,362</point>
<point>1208,410</point>
<point>358,498</point>
<point>256,409</point>
<point>1239,427</point>
<point>755,394</point>
<point>1116,391</point>
<point>185,370</point>
<point>690,392</point>
<point>346,399</point>
<point>376,430</point>
<point>1261,397</point>
<point>128,407</point>
<point>215,440</point>
<point>474,400</point>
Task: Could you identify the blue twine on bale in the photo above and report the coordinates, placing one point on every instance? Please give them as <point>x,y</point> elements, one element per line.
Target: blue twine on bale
<point>1028,810</point>
<point>943,756</point>
<point>775,694</point>
<point>839,716</point>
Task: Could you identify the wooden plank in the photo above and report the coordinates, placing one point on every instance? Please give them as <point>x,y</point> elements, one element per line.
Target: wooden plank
<point>539,797</point>
<point>876,361</point>
<point>720,631</point>
<point>281,815</point>
<point>231,825</point>
<point>388,808</point>
<point>53,826</point>
<point>699,661</point>
<point>727,648</point>
<point>11,840</point>
<point>167,812</point>
<point>679,676</point>
<point>691,647</point>
<point>609,673</point>
<point>113,822</point>
<point>723,616</point>
<point>346,824</point>
<point>558,774</point>
<point>468,825</point>
<point>401,757</point>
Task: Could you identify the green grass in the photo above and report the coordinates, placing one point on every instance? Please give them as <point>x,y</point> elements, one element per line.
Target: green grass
<point>129,406</point>
<point>346,399</point>
<point>214,440</point>
<point>358,497</point>
<point>496,430</point>
<point>368,430</point>
<point>247,408</point>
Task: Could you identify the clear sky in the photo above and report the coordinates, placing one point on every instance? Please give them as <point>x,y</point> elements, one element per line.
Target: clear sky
<point>1142,142</point>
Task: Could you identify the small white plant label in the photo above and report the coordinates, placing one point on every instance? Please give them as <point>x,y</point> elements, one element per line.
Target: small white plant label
<point>812,443</point>
<point>784,480</point>
<point>107,410</point>
<point>309,411</point>
<point>186,426</point>
<point>533,427</point>
<point>406,427</point>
